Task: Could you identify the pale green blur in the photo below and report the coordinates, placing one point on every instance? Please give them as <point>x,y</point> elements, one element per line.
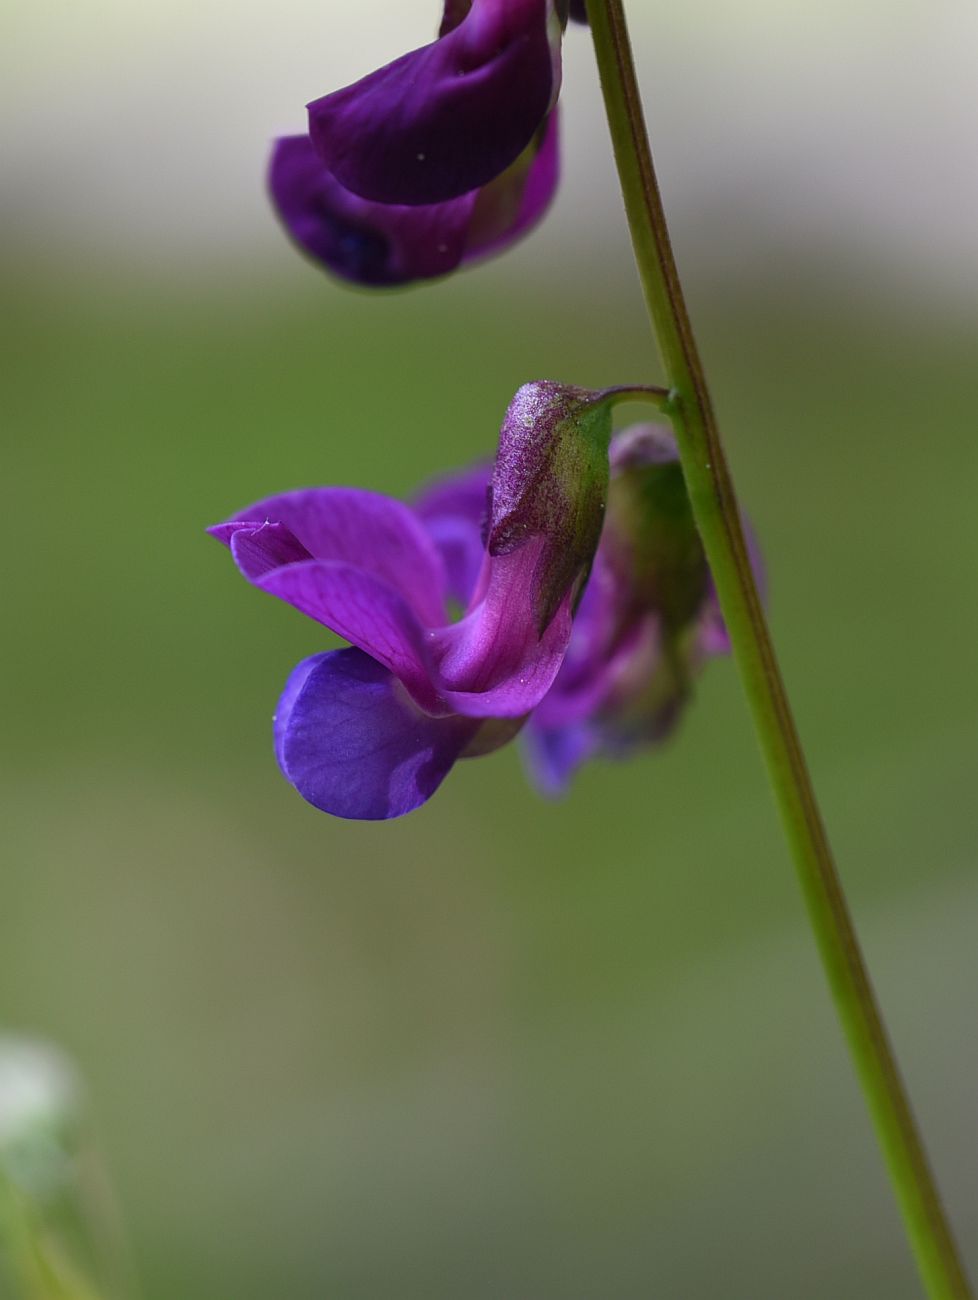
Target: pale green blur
<point>502,1048</point>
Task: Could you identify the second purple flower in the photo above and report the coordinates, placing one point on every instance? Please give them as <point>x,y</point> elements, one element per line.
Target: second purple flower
<point>446,155</point>
<point>587,609</point>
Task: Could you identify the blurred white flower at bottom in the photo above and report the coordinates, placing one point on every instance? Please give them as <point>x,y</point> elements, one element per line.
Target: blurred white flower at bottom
<point>40,1111</point>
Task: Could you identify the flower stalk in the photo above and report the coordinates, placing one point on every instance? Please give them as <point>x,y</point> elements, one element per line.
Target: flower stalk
<point>717,517</point>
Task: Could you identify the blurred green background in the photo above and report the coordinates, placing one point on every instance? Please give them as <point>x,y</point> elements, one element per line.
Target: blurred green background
<point>502,1048</point>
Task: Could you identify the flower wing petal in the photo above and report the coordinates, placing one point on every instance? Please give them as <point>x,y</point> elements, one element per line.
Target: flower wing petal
<point>352,742</point>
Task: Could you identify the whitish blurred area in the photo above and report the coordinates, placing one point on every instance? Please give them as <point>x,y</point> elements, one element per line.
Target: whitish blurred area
<point>39,1106</point>
<point>846,130</point>
<point>502,1049</point>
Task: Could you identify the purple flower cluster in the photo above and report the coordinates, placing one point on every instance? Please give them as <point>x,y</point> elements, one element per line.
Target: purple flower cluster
<point>585,666</point>
<point>561,592</point>
<point>444,156</point>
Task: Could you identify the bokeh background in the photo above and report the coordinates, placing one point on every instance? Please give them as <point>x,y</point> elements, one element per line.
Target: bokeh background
<point>502,1049</point>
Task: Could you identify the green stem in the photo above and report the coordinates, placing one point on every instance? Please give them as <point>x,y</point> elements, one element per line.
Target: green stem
<point>649,394</point>
<point>717,516</point>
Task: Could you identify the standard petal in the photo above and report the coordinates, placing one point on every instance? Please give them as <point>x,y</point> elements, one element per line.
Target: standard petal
<point>447,118</point>
<point>372,532</point>
<point>367,243</point>
<point>352,742</point>
<point>364,611</point>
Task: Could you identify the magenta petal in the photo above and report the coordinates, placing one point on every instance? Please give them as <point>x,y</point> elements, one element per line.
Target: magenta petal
<point>446,118</point>
<point>352,742</point>
<point>495,663</point>
<point>365,529</point>
<point>363,610</point>
<point>523,685</point>
<point>259,547</point>
<point>374,244</point>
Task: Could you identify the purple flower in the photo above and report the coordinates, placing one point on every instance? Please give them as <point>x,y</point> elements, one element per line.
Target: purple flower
<point>443,156</point>
<point>371,731</point>
<point>647,623</point>
<point>591,665</point>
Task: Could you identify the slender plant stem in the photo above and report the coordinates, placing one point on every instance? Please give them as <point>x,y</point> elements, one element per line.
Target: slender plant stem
<point>715,509</point>
<point>649,394</point>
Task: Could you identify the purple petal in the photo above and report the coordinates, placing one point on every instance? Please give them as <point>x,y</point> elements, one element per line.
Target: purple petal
<point>353,744</point>
<point>461,551</point>
<point>446,118</point>
<point>367,243</point>
<point>365,612</point>
<point>258,547</point>
<point>454,12</point>
<point>388,244</point>
<point>463,495</point>
<point>605,668</point>
<point>454,512</point>
<point>377,534</point>
<point>547,500</point>
<point>553,754</point>
<point>597,627</point>
<point>495,663</point>
<point>511,205</point>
